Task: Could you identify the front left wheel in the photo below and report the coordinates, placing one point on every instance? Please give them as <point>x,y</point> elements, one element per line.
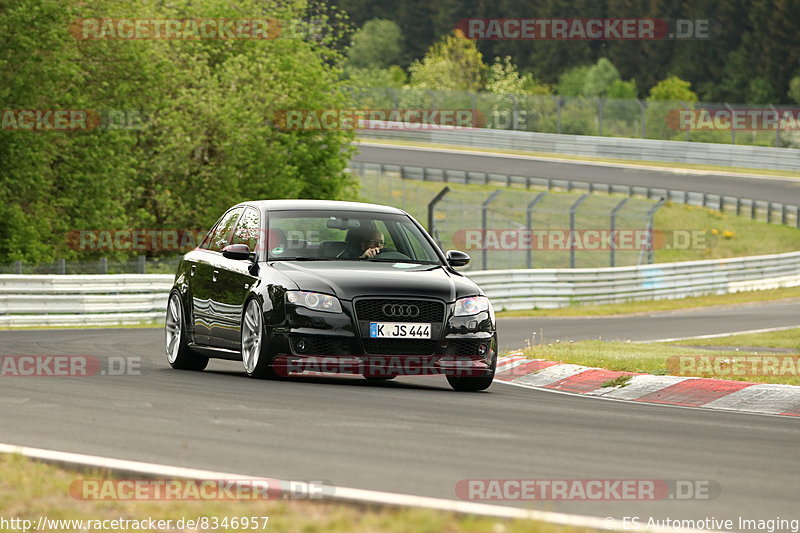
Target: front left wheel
<point>179,355</point>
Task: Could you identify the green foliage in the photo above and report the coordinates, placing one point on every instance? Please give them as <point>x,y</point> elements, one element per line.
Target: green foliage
<point>393,77</point>
<point>572,81</point>
<point>794,89</point>
<point>599,78</point>
<point>376,45</point>
<point>622,90</point>
<point>503,77</point>
<point>452,64</point>
<point>206,139</point>
<point>673,88</point>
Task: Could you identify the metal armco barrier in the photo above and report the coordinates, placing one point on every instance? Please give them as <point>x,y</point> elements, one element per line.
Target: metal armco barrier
<point>65,300</point>
<point>697,153</point>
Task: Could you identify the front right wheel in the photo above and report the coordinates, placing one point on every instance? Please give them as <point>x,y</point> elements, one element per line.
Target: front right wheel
<point>255,360</point>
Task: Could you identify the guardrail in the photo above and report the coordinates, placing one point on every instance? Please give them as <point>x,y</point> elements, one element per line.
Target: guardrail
<point>696,153</point>
<point>141,298</point>
<point>552,288</point>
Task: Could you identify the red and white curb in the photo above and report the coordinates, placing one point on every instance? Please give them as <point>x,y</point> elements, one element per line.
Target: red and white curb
<point>708,393</point>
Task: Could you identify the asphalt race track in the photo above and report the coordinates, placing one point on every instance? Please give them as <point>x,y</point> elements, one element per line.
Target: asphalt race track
<point>776,190</point>
<point>413,436</point>
<point>516,333</point>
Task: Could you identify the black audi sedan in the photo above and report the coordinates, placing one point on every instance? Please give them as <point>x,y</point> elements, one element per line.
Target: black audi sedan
<point>308,286</point>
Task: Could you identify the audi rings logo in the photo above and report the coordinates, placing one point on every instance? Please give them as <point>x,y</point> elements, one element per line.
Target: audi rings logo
<point>400,310</point>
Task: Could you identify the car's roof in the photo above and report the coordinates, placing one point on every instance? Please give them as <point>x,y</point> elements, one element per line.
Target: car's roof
<point>332,205</point>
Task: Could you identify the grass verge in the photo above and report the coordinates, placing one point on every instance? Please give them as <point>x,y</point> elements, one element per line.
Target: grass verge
<point>661,359</point>
<point>30,490</point>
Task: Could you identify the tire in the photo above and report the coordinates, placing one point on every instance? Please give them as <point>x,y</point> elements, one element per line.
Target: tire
<point>473,384</point>
<point>176,345</point>
<point>256,361</point>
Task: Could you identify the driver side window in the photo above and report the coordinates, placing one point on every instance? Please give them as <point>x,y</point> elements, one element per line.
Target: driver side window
<point>219,237</point>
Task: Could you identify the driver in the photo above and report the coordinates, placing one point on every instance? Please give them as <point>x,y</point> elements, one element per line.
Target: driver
<point>371,244</point>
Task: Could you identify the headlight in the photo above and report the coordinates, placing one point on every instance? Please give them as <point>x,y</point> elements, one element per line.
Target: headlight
<point>472,305</point>
<point>315,301</point>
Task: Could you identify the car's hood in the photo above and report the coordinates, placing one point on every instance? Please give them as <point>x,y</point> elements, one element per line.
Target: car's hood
<point>351,279</point>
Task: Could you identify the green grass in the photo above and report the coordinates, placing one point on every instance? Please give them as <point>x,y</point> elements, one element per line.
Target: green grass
<point>788,338</point>
<point>29,490</point>
<point>655,359</point>
<point>551,155</point>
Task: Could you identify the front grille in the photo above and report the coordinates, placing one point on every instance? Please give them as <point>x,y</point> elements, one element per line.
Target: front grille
<point>400,346</point>
<point>464,346</point>
<point>371,309</point>
<point>325,346</point>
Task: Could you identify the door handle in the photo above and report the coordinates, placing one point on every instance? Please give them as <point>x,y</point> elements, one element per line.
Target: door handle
<point>214,276</point>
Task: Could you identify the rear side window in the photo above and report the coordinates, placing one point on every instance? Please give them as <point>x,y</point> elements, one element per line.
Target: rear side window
<point>219,237</point>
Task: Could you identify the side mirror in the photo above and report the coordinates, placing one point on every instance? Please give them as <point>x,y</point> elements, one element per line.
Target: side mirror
<point>236,251</point>
<point>457,258</point>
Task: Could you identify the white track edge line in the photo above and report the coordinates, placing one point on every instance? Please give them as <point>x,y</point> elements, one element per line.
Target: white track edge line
<point>340,493</point>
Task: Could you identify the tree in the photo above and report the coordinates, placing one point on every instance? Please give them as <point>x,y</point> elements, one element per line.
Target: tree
<point>452,64</point>
<point>794,89</point>
<point>503,77</point>
<point>599,78</point>
<point>207,140</point>
<point>377,45</point>
<point>673,88</point>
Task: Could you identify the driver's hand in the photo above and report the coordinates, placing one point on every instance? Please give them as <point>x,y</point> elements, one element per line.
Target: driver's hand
<point>370,253</point>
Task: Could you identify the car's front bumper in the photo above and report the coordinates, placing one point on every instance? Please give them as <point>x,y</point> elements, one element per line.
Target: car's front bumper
<point>307,341</point>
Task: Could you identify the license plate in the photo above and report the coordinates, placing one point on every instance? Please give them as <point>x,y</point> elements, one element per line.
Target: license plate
<point>399,330</point>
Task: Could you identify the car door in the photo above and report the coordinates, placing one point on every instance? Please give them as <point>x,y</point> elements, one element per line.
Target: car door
<point>202,275</point>
<point>232,283</point>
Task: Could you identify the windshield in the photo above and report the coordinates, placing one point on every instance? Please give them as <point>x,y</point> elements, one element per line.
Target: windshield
<point>347,236</point>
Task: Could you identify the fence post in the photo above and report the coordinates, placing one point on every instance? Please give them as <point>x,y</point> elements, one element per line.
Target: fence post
<point>103,265</point>
<point>431,217</point>
<point>529,224</point>
<point>752,209</point>
<point>514,113</point>
<point>141,266</point>
<point>572,209</point>
<point>738,206</point>
<point>600,103</point>
<point>484,222</point>
<point>558,111</point>
<point>643,105</point>
<point>769,212</point>
<point>18,266</point>
<point>651,215</point>
<point>61,266</point>
<point>733,130</point>
<point>613,228</point>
